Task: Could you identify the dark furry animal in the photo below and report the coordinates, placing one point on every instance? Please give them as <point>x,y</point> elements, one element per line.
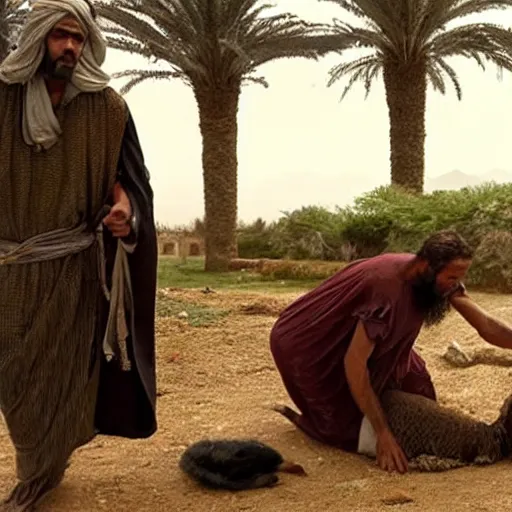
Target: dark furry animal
<point>235,464</point>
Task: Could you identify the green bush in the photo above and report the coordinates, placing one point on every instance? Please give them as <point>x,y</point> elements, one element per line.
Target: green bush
<point>256,241</point>
<point>388,219</point>
<point>492,264</point>
<point>313,232</point>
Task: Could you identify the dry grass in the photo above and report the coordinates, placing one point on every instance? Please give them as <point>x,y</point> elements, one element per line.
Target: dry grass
<point>292,269</point>
<point>219,380</point>
<point>288,269</point>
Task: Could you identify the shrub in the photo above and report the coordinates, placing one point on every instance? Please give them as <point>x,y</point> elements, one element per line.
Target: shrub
<point>256,240</point>
<point>312,232</point>
<point>388,219</point>
<point>492,263</point>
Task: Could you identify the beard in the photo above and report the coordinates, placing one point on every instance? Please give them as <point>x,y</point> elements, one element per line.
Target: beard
<point>59,69</point>
<point>429,300</point>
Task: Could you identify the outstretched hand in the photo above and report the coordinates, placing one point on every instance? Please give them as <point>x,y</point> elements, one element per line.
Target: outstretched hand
<point>390,457</point>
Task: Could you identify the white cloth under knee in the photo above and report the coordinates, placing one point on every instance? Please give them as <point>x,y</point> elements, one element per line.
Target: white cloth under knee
<point>367,439</point>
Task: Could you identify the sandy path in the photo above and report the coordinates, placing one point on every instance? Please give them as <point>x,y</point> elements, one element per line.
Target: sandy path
<point>219,381</point>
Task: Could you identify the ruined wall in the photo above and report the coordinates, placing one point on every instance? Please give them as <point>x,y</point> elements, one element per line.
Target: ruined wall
<point>180,245</point>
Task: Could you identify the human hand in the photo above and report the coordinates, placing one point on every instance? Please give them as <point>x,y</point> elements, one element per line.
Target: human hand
<point>118,220</point>
<point>390,457</point>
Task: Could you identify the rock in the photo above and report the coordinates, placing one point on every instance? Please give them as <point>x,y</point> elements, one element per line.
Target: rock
<point>456,356</point>
<point>397,498</point>
<point>183,314</point>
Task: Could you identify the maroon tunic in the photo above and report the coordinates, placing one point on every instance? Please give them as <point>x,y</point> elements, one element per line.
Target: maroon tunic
<point>311,336</point>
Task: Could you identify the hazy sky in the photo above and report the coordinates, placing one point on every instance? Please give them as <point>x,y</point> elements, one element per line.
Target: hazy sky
<point>298,145</point>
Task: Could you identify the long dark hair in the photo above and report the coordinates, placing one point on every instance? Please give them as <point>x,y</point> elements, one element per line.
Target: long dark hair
<point>443,247</point>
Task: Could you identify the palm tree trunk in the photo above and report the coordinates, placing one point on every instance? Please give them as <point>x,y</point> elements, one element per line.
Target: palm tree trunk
<point>218,110</point>
<point>406,94</point>
<point>4,31</point>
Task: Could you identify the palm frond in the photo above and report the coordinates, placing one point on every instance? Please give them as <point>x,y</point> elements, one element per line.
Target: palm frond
<point>483,41</point>
<point>12,18</point>
<point>435,72</point>
<point>462,8</point>
<point>386,17</point>
<point>140,75</point>
<point>133,24</point>
<point>435,77</point>
<point>420,35</point>
<point>365,69</point>
<point>356,37</point>
<point>212,42</point>
<point>351,7</point>
<point>256,80</point>
<point>311,47</point>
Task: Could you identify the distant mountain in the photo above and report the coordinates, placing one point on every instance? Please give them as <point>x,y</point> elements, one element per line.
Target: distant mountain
<point>455,180</point>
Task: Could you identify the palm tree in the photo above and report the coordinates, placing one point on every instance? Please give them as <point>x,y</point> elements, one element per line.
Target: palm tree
<point>214,46</point>
<point>12,18</point>
<point>410,42</point>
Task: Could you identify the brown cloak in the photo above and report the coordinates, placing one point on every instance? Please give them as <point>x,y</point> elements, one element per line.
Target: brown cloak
<point>56,389</point>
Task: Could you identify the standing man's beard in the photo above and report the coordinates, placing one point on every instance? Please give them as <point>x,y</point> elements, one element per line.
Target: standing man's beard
<point>429,300</point>
<point>60,69</point>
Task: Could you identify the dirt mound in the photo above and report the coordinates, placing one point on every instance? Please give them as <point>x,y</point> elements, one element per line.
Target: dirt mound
<point>262,307</point>
<point>247,303</point>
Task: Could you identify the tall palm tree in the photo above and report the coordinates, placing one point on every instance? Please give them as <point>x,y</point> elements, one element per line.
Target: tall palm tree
<point>214,46</point>
<point>12,18</point>
<point>411,41</point>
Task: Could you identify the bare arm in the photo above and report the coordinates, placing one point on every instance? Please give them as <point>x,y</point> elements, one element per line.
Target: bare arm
<point>490,329</point>
<point>390,456</point>
<point>358,378</point>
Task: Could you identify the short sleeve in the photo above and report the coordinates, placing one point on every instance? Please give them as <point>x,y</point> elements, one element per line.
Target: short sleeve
<point>376,318</point>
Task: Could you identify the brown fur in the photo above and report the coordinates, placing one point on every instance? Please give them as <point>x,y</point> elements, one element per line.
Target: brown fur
<point>436,438</point>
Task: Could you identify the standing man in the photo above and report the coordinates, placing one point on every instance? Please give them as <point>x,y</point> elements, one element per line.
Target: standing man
<point>340,345</point>
<point>78,279</point>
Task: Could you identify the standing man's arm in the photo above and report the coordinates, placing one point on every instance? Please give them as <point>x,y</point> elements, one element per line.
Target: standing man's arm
<point>389,454</point>
<point>133,192</point>
<point>490,329</point>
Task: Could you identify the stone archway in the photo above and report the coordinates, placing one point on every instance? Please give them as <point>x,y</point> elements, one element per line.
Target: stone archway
<point>194,249</point>
<point>169,248</point>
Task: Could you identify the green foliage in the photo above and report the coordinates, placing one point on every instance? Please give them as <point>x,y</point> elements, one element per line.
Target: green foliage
<point>310,233</point>
<point>386,219</point>
<point>173,273</point>
<point>257,240</point>
<point>492,263</point>
<point>197,314</point>
<point>389,219</point>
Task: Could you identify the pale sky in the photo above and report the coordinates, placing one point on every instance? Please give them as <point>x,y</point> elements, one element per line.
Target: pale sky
<point>298,145</point>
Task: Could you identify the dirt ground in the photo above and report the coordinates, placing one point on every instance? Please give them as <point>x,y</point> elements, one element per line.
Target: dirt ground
<point>219,381</point>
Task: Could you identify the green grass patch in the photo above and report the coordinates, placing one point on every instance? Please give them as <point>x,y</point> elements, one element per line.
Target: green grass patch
<point>198,315</point>
<point>173,273</point>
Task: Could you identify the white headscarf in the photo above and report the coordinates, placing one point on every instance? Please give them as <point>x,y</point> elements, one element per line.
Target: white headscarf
<point>40,126</point>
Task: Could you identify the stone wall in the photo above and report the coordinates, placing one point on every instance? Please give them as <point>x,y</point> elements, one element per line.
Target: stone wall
<point>180,245</point>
